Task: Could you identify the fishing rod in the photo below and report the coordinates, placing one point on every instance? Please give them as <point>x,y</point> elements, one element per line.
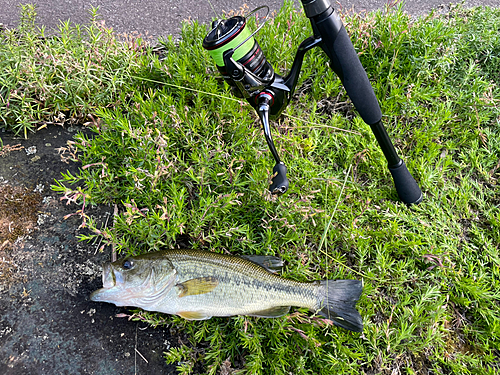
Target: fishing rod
<point>242,63</point>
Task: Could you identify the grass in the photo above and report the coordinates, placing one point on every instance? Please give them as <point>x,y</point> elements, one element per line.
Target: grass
<point>48,80</point>
<point>189,168</point>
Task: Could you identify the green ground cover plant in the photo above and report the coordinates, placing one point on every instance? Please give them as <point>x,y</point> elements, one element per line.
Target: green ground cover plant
<point>187,165</point>
<point>47,79</point>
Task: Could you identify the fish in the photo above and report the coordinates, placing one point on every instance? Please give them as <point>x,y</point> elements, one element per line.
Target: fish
<point>198,285</point>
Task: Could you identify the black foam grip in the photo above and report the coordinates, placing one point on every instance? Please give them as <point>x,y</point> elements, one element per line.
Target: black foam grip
<point>406,186</point>
<point>345,62</point>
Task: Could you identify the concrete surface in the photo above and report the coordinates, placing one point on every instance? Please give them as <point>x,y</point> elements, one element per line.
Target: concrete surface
<point>48,325</point>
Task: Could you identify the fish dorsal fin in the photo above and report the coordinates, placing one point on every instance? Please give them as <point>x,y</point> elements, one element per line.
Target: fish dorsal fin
<point>269,262</point>
<point>273,312</point>
<point>200,285</point>
<point>193,315</point>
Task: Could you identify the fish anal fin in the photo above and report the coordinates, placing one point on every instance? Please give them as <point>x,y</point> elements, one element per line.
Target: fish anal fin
<point>193,315</point>
<point>269,262</point>
<point>273,312</point>
<point>200,285</point>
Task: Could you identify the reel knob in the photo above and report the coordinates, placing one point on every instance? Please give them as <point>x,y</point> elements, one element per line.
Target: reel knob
<point>279,183</point>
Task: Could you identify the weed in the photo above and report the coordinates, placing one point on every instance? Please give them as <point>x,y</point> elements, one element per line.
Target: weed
<point>60,79</point>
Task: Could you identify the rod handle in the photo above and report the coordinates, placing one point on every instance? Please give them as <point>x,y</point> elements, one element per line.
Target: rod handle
<point>345,63</point>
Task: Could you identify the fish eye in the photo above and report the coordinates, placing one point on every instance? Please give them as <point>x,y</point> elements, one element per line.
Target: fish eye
<point>128,264</point>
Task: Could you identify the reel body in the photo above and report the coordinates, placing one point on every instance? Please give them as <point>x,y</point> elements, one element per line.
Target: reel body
<point>242,63</point>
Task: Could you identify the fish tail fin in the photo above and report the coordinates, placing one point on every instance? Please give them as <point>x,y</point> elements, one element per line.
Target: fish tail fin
<point>337,302</point>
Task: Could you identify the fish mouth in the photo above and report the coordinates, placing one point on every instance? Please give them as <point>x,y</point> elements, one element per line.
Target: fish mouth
<point>108,283</point>
<point>108,276</point>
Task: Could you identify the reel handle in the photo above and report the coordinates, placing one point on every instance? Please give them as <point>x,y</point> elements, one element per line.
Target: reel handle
<point>279,184</point>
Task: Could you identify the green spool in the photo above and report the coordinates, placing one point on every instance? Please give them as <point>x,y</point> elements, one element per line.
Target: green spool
<point>232,38</point>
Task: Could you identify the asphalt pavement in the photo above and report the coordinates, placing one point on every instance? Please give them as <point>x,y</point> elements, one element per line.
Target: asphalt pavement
<point>161,18</point>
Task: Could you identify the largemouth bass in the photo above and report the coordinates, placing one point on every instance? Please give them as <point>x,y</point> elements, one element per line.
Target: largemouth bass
<point>200,284</point>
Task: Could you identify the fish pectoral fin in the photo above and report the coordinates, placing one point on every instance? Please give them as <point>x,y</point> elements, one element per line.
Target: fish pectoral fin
<point>273,312</point>
<point>193,315</point>
<point>200,285</point>
<point>269,262</point>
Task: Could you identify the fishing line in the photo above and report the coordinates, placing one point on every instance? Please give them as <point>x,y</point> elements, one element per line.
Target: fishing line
<point>189,89</point>
<point>323,237</point>
<point>213,9</point>
<point>243,102</point>
<point>335,209</point>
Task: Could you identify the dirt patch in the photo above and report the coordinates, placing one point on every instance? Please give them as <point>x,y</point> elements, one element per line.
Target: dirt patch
<point>47,323</point>
<point>18,208</point>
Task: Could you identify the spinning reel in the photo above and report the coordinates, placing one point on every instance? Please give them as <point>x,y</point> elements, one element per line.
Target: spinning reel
<point>242,63</point>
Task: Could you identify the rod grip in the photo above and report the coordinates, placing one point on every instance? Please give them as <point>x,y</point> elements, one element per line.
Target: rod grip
<point>406,186</point>
<point>345,63</point>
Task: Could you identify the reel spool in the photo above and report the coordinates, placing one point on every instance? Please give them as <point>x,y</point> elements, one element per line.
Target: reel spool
<point>231,39</point>
<point>234,35</point>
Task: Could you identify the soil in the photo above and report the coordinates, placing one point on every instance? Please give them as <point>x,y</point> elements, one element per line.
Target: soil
<point>48,325</point>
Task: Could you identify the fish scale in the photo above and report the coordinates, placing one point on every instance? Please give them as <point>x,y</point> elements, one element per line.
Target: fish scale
<point>243,285</point>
